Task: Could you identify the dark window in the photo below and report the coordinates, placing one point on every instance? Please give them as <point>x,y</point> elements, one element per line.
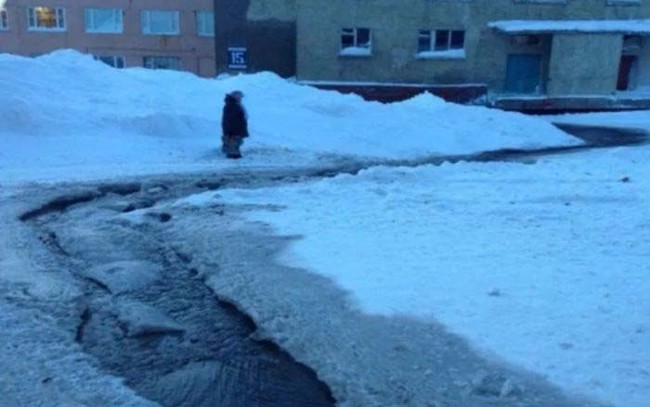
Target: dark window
<point>173,63</point>
<point>442,40</point>
<point>355,37</point>
<point>347,38</point>
<point>424,41</point>
<point>363,37</point>
<point>457,39</point>
<point>114,61</point>
<point>4,23</point>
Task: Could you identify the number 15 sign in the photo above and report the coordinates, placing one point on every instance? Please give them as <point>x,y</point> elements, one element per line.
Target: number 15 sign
<point>237,58</point>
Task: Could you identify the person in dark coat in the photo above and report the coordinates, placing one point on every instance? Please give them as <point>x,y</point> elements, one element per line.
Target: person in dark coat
<point>234,124</point>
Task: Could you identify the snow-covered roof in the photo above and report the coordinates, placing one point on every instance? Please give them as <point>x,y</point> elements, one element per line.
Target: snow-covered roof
<point>568,26</point>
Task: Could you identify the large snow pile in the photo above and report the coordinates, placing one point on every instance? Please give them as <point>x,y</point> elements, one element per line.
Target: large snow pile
<point>65,111</point>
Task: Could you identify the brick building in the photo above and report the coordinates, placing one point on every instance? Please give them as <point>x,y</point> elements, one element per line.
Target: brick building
<point>159,34</point>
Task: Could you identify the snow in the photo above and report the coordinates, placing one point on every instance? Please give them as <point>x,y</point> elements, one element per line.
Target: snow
<point>448,54</point>
<point>356,51</point>
<point>633,120</point>
<point>110,122</point>
<point>586,26</point>
<point>41,363</point>
<point>542,265</point>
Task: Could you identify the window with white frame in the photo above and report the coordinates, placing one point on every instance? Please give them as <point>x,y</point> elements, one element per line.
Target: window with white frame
<point>46,19</point>
<point>356,42</point>
<point>4,20</point>
<point>154,62</point>
<point>205,23</point>
<point>103,20</point>
<point>160,22</point>
<point>111,60</point>
<point>441,43</point>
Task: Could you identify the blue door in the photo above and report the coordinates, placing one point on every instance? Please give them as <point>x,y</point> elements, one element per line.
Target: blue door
<point>524,73</point>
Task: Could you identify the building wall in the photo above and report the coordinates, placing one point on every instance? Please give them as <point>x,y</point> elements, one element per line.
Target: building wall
<point>196,52</point>
<point>395,26</point>
<point>594,75</point>
<point>282,10</point>
<point>265,28</point>
<point>394,37</point>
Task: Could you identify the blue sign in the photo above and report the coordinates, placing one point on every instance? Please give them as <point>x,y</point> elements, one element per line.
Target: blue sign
<point>237,58</point>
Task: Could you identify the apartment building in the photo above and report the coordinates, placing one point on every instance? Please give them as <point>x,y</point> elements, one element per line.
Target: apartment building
<point>157,34</point>
<point>544,49</point>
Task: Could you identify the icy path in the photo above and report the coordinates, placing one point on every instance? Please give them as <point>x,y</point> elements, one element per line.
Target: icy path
<point>426,365</point>
<point>404,359</point>
<point>131,301</point>
<point>40,365</point>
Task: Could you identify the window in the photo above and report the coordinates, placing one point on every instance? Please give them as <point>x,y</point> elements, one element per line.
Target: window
<point>46,19</point>
<point>205,23</point>
<point>160,22</point>
<point>173,63</point>
<point>103,20</point>
<point>356,41</point>
<point>114,61</point>
<point>4,21</point>
<point>441,43</point>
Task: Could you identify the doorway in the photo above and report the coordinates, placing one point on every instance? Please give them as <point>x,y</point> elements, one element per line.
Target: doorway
<point>524,74</point>
<point>628,62</point>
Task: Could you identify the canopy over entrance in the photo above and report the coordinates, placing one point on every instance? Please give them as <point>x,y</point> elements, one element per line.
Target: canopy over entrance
<point>520,27</point>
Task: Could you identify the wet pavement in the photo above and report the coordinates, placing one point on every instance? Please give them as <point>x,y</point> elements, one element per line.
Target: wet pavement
<point>147,315</point>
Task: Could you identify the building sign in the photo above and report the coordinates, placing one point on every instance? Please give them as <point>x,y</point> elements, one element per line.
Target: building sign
<point>237,58</point>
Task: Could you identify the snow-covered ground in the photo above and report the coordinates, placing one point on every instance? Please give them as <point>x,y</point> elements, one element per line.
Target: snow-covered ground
<point>65,116</point>
<point>632,120</point>
<point>544,266</point>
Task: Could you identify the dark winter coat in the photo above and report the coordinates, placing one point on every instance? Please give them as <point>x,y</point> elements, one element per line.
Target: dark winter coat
<point>233,120</point>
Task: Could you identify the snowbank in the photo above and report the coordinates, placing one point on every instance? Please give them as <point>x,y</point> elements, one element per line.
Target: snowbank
<point>633,120</point>
<point>544,265</point>
<point>66,114</point>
